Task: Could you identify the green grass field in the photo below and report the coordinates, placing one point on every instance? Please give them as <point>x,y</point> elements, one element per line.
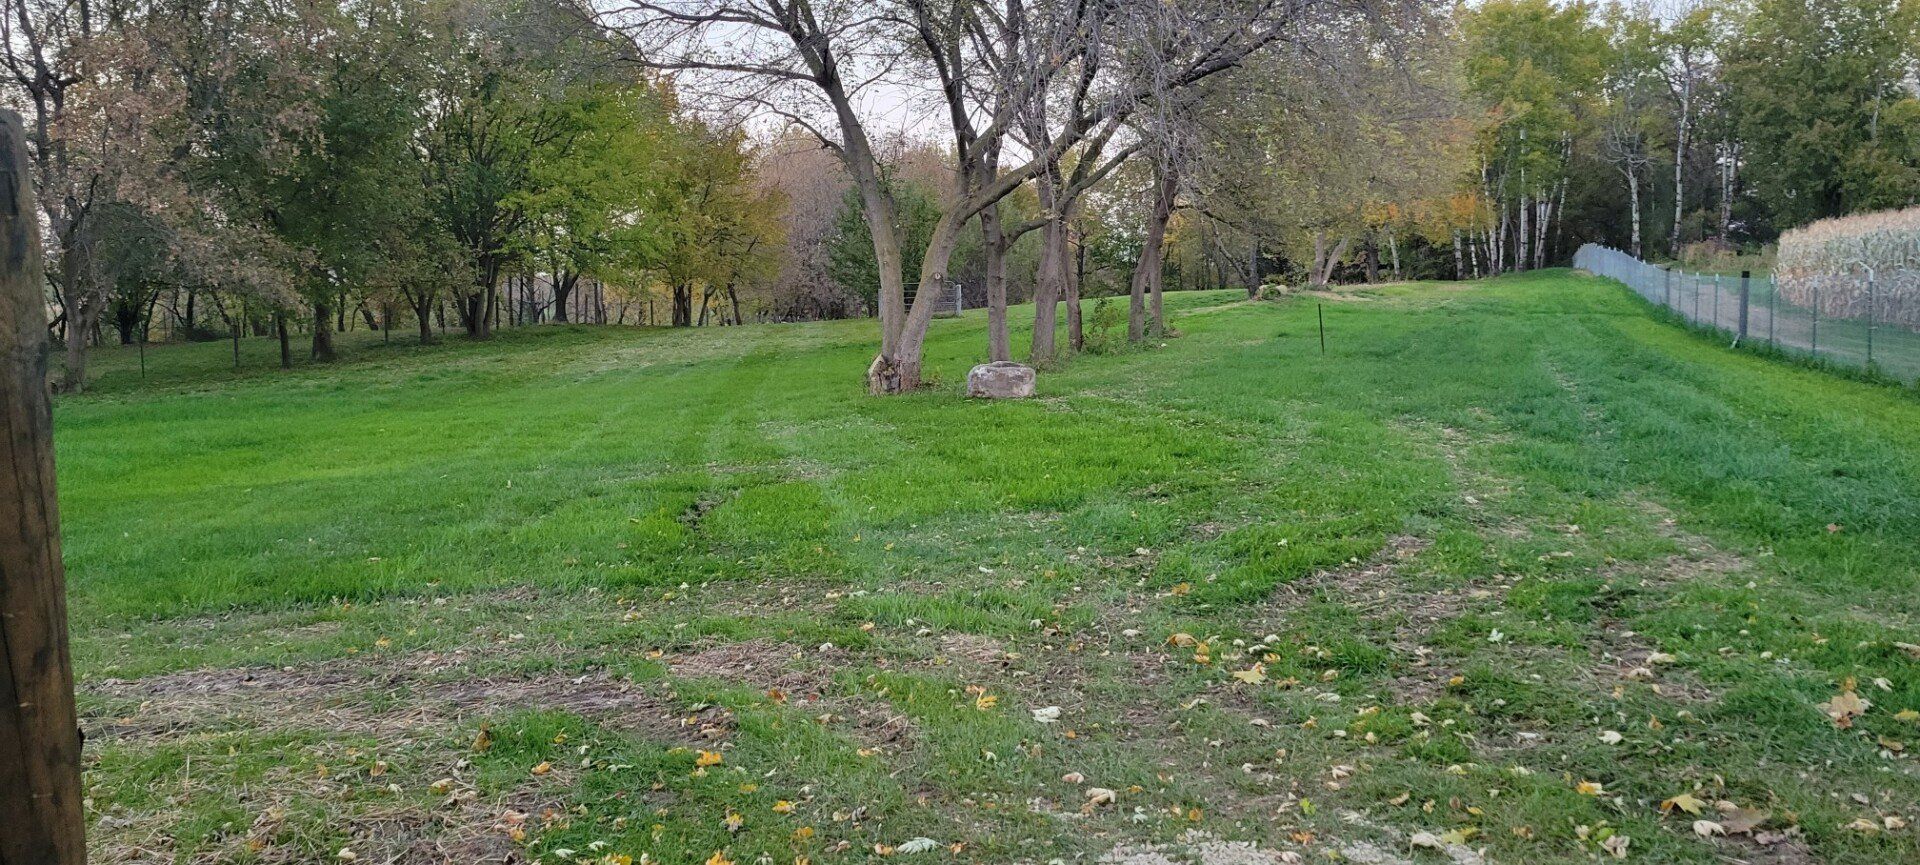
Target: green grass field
<point>1511,573</point>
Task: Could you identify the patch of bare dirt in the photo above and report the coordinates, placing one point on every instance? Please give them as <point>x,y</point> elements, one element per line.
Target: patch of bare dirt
<point>975,649</point>
<point>1361,584</point>
<point>763,664</point>
<point>1198,848</point>
<point>408,696</point>
<point>879,726</point>
<point>1376,587</point>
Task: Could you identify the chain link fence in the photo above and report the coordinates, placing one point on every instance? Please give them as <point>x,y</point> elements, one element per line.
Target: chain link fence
<point>1751,308</point>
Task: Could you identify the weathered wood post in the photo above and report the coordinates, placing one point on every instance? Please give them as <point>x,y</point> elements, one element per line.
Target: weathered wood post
<point>40,816</point>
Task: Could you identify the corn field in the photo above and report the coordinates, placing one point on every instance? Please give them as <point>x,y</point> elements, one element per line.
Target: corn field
<point>1855,267</point>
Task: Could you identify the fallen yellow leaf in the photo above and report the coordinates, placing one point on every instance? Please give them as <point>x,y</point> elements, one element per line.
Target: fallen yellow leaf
<point>1685,802</point>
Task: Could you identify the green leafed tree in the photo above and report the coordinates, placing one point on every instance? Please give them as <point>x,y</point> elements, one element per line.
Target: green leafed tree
<point>1536,66</point>
<point>851,260</point>
<point>1819,91</point>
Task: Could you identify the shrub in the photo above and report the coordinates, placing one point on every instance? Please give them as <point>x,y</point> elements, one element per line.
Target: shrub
<point>1106,328</point>
<point>1825,266</point>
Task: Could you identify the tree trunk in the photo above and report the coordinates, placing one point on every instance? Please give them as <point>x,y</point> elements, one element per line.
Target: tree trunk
<point>1522,232</point>
<point>1076,324</point>
<point>1685,121</point>
<point>889,372</point>
<point>82,315</point>
<point>903,373</point>
<point>994,243</point>
<point>1730,164</point>
<point>126,318</point>
<point>563,284</point>
<point>1253,269</point>
<point>1325,260</point>
<point>286,342</point>
<point>40,792</point>
<point>322,334</point>
<point>1633,201</point>
<point>472,309</point>
<point>1146,271</point>
<point>423,315</point>
<point>1459,261</point>
<point>1047,291</point>
<point>683,305</point>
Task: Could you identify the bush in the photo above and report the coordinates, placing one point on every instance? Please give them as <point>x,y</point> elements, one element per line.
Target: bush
<point>1106,328</point>
<point>1825,266</point>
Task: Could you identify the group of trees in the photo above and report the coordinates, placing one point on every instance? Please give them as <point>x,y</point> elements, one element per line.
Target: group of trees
<point>1655,126</point>
<point>1524,128</point>
<point>251,167</point>
<point>265,167</point>
<point>1051,97</point>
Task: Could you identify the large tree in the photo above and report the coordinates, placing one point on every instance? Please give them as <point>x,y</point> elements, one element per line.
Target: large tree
<point>984,64</point>
<point>1824,113</point>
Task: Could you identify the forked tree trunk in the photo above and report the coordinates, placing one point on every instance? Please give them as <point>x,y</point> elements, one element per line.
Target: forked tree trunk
<point>1146,271</point>
<point>423,315</point>
<point>683,305</point>
<point>563,284</point>
<point>1325,260</point>
<point>41,820</point>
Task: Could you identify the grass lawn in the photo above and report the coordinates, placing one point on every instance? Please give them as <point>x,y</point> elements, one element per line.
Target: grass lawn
<point>1511,573</point>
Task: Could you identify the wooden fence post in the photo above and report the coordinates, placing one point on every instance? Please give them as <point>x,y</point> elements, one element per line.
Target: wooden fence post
<point>40,814</point>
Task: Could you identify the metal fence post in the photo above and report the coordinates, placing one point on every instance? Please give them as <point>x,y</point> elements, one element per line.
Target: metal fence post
<point>1773,307</point>
<point>1696,297</point>
<point>1816,317</point>
<point>1668,303</point>
<point>1870,316</point>
<point>1746,281</point>
<point>1716,301</point>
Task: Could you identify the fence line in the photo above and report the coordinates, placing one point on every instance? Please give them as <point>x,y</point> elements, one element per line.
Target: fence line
<point>1749,308</point>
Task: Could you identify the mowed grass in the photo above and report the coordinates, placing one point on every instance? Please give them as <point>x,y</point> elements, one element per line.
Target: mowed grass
<point>1511,564</point>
